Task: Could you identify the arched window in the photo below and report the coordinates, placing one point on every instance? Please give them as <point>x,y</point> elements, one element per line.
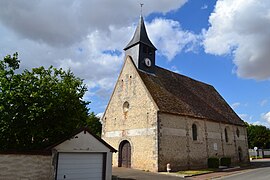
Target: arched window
<point>226,135</point>
<point>125,107</point>
<point>237,132</point>
<point>194,132</point>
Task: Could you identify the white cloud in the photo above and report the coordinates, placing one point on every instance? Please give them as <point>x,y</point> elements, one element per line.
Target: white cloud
<point>62,22</point>
<point>170,39</point>
<point>235,105</point>
<point>204,7</point>
<point>175,69</point>
<point>264,120</point>
<point>263,102</point>
<point>100,115</point>
<point>246,117</point>
<point>241,28</point>
<point>262,123</point>
<point>266,117</point>
<point>86,36</point>
<point>249,119</point>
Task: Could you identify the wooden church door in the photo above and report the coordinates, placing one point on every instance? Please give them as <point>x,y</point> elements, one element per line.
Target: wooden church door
<point>125,156</point>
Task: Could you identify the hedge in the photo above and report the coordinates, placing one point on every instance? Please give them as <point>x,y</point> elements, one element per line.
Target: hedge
<point>213,162</point>
<point>225,161</point>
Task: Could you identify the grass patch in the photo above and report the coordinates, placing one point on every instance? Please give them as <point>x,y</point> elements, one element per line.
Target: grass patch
<point>196,172</point>
<point>254,157</point>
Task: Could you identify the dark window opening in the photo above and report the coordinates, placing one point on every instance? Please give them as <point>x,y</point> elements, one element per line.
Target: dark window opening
<point>237,132</point>
<point>226,135</point>
<point>145,49</point>
<point>194,132</point>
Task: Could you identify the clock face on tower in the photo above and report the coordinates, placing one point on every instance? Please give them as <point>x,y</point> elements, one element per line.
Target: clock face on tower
<point>147,62</point>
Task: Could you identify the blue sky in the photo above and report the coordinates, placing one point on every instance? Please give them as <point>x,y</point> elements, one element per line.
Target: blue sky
<point>220,42</point>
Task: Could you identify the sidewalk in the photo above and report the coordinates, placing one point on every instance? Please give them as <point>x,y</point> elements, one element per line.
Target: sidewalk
<point>211,175</point>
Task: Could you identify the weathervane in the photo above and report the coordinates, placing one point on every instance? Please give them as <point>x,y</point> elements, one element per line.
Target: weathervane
<point>141,7</point>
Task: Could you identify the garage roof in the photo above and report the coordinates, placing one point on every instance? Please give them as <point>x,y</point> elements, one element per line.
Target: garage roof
<point>85,129</point>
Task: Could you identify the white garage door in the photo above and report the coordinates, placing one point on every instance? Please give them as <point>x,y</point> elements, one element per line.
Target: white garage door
<point>80,166</point>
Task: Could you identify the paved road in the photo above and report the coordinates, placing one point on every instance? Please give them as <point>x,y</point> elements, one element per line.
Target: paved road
<point>255,174</point>
<point>261,172</point>
<point>133,174</point>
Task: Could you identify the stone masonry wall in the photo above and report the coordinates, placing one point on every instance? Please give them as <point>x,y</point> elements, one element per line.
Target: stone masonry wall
<point>25,167</point>
<point>136,123</point>
<point>177,147</point>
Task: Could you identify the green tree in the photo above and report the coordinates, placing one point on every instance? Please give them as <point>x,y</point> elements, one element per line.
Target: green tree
<point>94,124</point>
<point>258,136</point>
<point>39,107</point>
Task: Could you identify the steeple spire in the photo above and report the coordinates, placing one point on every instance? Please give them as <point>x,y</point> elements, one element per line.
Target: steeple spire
<point>141,49</point>
<point>140,36</point>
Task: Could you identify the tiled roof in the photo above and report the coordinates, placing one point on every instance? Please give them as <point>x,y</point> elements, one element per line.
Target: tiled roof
<point>178,94</point>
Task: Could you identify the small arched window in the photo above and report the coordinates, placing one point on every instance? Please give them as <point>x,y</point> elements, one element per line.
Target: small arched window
<point>194,132</point>
<point>237,132</point>
<point>125,107</point>
<point>226,135</point>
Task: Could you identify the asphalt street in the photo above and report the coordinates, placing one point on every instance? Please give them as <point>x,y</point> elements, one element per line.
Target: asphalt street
<point>261,172</point>
<point>133,174</point>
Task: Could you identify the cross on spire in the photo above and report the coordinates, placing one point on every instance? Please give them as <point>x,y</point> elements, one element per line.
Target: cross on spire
<point>141,4</point>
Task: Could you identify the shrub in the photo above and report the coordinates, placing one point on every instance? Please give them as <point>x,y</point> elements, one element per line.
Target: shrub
<point>225,161</point>
<point>213,162</point>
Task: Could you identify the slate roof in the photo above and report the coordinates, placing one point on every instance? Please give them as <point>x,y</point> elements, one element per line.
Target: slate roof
<point>140,36</point>
<point>178,94</point>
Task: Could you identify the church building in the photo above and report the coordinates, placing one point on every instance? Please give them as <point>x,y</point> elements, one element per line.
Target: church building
<point>156,116</point>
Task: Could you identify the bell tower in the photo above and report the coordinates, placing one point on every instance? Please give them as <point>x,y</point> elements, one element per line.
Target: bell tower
<point>141,49</point>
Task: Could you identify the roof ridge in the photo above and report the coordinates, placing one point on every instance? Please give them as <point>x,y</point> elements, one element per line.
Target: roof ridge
<point>184,76</point>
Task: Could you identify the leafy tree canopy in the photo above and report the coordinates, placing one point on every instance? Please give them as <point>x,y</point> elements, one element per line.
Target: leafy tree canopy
<point>40,106</point>
<point>258,136</point>
<point>94,124</point>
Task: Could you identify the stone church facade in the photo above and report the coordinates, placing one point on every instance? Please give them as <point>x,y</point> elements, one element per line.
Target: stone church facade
<point>156,116</point>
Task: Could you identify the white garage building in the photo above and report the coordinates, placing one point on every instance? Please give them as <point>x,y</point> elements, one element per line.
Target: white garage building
<point>83,156</point>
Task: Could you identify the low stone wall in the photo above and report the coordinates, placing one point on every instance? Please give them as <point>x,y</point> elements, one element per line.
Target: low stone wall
<point>26,167</point>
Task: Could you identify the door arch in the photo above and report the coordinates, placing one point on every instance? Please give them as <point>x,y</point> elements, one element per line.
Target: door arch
<point>124,157</point>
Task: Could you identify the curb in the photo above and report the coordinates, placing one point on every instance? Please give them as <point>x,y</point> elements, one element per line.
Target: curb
<point>193,175</point>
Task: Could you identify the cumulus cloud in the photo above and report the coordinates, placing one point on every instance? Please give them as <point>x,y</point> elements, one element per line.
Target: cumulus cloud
<point>246,117</point>
<point>100,115</point>
<point>236,105</point>
<point>170,45</point>
<point>249,119</point>
<point>261,123</point>
<point>61,22</point>
<point>86,36</point>
<point>264,102</point>
<point>266,117</point>
<point>204,7</point>
<point>241,28</point>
